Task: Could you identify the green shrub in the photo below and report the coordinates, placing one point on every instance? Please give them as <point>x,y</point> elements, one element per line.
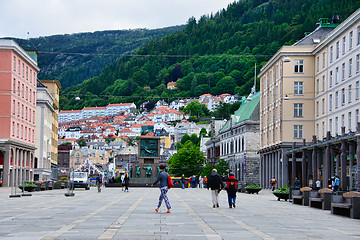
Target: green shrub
<point>63,179</point>
<point>253,186</point>
<point>283,189</point>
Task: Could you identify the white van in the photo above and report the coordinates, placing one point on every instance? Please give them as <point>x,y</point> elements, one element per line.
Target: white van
<point>80,180</point>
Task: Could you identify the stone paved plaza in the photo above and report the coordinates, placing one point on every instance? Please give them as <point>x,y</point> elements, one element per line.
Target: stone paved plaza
<point>113,214</point>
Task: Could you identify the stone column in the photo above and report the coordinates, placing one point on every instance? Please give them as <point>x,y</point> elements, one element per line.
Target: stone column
<point>314,161</point>
<point>358,157</point>
<point>261,170</point>
<point>303,166</point>
<point>6,168</point>
<point>326,172</point>
<point>343,180</point>
<point>285,170</point>
<point>351,164</point>
<point>293,164</point>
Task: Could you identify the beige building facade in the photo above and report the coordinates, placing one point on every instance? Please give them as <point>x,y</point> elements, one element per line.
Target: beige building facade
<point>308,91</point>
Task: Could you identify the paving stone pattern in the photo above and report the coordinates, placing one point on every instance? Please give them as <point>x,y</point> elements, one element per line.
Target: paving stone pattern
<point>113,214</point>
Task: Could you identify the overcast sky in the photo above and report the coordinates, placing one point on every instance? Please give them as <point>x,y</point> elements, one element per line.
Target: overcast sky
<point>50,17</point>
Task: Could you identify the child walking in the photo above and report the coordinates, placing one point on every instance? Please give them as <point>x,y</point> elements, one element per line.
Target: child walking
<point>231,188</point>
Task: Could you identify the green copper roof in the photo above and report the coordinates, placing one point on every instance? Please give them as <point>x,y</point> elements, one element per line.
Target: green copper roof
<point>245,111</point>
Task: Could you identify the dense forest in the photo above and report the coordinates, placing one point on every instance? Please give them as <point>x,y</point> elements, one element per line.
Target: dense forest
<point>214,54</point>
<point>73,58</point>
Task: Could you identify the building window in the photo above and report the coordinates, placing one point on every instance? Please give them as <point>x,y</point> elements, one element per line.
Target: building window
<point>323,106</point>
<point>298,109</point>
<point>358,35</point>
<point>317,64</point>
<point>336,75</point>
<point>317,129</point>
<point>350,86</point>
<point>18,88</point>
<point>299,66</point>
<point>330,102</point>
<point>331,54</point>
<point>317,86</point>
<point>343,120</point>
<point>19,67</point>
<point>349,121</point>
<point>357,63</point>
<point>350,67</point>
<point>22,90</point>
<point>344,45</point>
<point>323,57</point>
<point>357,93</point>
<point>323,83</point>
<point>337,50</point>
<point>17,130</point>
<point>23,70</point>
<point>18,109</point>
<point>331,79</point>
<point>336,99</point>
<point>298,88</point>
<point>323,128</point>
<point>298,130</point>
<point>343,71</point>
<point>343,96</point>
<point>330,126</point>
<point>336,125</point>
<point>27,75</point>
<point>13,129</point>
<point>350,40</point>
<point>14,107</point>
<point>357,115</point>
<point>317,108</point>
<point>30,76</point>
<point>26,93</point>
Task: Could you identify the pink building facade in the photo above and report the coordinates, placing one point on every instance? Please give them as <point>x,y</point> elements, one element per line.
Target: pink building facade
<point>18,76</point>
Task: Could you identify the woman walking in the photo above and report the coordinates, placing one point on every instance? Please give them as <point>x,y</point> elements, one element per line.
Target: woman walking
<point>126,182</point>
<point>164,187</point>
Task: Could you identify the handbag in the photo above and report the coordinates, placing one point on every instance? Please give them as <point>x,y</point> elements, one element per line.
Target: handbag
<point>170,182</point>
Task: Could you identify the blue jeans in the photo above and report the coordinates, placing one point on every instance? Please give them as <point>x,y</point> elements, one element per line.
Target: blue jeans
<point>182,185</point>
<point>231,199</point>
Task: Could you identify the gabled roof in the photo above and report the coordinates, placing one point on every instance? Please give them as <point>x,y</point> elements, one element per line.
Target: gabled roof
<point>248,110</point>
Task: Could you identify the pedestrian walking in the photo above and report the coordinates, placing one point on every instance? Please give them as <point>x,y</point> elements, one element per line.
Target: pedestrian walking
<point>318,184</point>
<point>164,187</point>
<point>98,182</point>
<point>336,183</point>
<point>126,182</point>
<point>231,189</point>
<point>201,181</point>
<point>183,180</point>
<point>296,184</point>
<point>273,183</point>
<point>205,180</point>
<point>215,184</point>
<point>123,182</point>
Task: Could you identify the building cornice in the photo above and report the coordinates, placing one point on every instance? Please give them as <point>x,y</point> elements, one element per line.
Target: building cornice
<point>12,45</point>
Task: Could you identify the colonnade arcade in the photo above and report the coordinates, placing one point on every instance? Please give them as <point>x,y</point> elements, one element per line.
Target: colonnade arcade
<point>339,155</point>
<point>18,164</point>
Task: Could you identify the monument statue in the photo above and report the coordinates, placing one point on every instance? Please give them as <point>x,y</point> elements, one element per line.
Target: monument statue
<point>137,171</point>
<point>148,171</point>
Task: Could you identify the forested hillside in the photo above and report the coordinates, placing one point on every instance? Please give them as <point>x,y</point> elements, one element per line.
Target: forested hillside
<point>73,58</point>
<point>214,54</point>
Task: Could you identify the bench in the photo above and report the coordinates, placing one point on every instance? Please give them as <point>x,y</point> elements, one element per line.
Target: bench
<point>315,199</point>
<point>321,199</point>
<point>347,204</point>
<point>297,197</point>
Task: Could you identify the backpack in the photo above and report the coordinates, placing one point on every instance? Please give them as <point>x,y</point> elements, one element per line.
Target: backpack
<point>170,182</point>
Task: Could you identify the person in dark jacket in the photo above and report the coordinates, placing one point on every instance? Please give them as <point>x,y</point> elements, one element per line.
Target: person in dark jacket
<point>126,182</point>
<point>231,188</point>
<point>183,180</point>
<point>164,187</point>
<point>296,184</point>
<point>215,184</point>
